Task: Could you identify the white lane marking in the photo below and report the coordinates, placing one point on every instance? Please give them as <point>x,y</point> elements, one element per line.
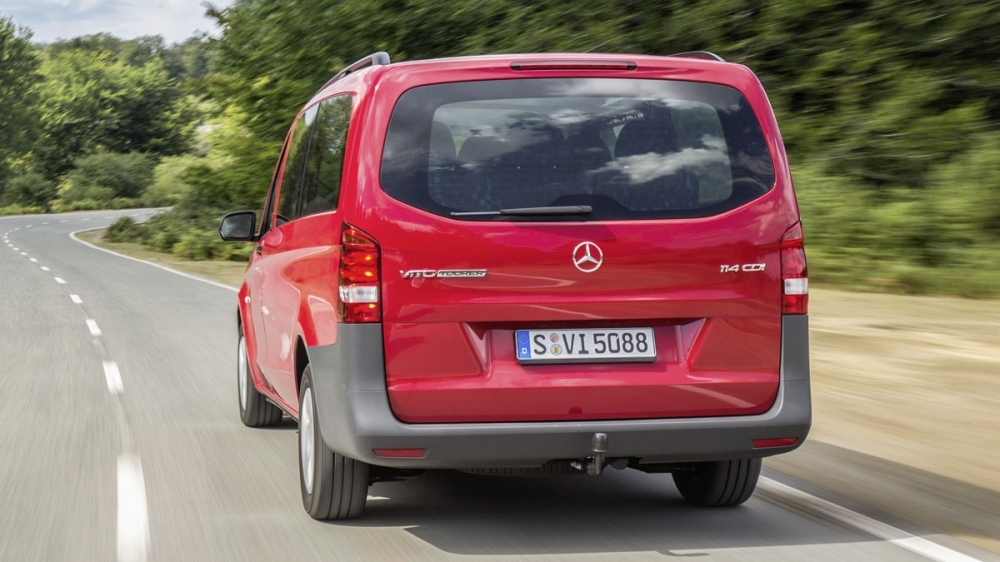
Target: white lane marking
<point>133,516</point>
<point>29,226</point>
<point>45,268</point>
<point>24,253</point>
<point>17,249</point>
<point>76,299</point>
<point>59,280</point>
<point>92,325</point>
<point>878,529</point>
<point>32,260</point>
<point>44,223</point>
<point>62,222</point>
<point>156,265</point>
<point>85,219</point>
<point>113,377</point>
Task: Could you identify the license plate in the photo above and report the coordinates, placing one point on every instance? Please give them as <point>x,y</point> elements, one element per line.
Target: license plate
<point>599,345</point>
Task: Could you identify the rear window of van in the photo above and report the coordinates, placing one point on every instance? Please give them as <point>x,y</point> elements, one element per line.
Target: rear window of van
<point>629,149</point>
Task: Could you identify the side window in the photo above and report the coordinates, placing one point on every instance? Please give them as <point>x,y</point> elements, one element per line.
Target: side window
<point>272,191</point>
<point>265,216</point>
<point>321,188</point>
<point>291,179</point>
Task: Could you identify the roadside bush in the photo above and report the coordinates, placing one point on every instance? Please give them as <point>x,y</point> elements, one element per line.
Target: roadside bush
<point>61,206</point>
<point>21,210</point>
<point>162,241</point>
<point>197,239</point>
<point>206,245</point>
<point>168,185</point>
<point>937,239</point>
<point>236,252</point>
<point>88,196</point>
<point>964,194</point>
<point>163,231</point>
<point>106,176</point>
<point>195,245</point>
<point>28,190</point>
<point>124,230</point>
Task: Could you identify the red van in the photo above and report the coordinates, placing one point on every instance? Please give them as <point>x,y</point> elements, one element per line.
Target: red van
<point>527,264</point>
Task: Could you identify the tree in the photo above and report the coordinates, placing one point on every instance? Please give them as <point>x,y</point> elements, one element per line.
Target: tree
<point>19,64</point>
<point>90,101</point>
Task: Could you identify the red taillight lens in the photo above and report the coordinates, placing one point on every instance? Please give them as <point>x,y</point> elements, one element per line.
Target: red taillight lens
<point>779,442</point>
<point>359,278</point>
<point>399,453</point>
<point>794,275</point>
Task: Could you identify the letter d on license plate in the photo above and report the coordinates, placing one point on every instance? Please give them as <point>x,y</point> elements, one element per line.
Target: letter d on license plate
<point>596,345</point>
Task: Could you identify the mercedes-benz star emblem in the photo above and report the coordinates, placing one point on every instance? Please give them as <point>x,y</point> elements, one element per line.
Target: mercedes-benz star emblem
<point>587,257</point>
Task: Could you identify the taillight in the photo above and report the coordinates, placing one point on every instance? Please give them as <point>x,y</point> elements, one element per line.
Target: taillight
<point>794,276</point>
<point>359,278</point>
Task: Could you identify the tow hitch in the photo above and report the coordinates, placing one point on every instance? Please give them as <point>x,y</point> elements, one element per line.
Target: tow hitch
<point>594,465</point>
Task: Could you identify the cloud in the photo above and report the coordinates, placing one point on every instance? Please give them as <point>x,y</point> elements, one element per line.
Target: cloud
<point>643,168</point>
<point>50,20</point>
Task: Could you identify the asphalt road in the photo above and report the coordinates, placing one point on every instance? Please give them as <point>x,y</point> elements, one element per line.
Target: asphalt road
<point>120,440</point>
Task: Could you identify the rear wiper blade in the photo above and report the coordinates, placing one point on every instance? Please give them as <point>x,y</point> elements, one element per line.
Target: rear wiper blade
<point>529,211</point>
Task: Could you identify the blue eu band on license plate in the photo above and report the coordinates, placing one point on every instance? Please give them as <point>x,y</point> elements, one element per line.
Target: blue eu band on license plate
<point>592,345</point>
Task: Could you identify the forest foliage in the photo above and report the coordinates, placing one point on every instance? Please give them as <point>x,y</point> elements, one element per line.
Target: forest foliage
<point>86,121</point>
<point>890,110</point>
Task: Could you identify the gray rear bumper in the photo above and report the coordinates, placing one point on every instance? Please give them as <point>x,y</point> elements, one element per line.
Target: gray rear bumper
<point>355,417</point>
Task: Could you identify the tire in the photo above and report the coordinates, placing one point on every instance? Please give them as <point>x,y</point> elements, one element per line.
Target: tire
<point>255,410</point>
<point>333,486</point>
<point>719,484</point>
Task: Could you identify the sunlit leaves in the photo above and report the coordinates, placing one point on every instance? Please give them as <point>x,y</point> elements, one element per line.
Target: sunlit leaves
<point>19,63</point>
<point>91,100</point>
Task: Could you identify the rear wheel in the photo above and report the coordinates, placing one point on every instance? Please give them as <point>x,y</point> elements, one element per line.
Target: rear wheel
<point>333,486</point>
<point>720,483</point>
<point>255,410</point>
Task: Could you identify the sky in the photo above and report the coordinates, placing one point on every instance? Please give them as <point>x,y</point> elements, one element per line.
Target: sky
<point>175,20</point>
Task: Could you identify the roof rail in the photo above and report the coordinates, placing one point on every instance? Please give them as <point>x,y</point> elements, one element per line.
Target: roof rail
<point>702,55</point>
<point>375,59</point>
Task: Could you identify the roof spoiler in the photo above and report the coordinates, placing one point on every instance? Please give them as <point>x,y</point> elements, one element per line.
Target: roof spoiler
<point>701,55</point>
<point>375,59</point>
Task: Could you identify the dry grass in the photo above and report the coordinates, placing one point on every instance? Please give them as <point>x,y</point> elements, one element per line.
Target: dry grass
<point>914,382</point>
<point>912,379</point>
